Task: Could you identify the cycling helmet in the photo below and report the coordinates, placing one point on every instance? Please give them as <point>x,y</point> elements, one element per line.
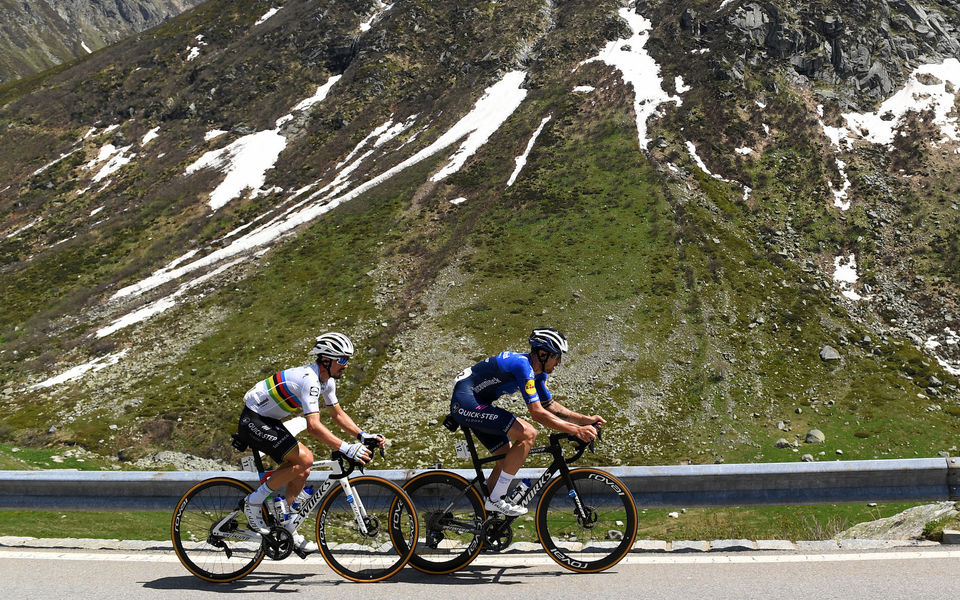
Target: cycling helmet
<point>549,339</point>
<point>333,345</point>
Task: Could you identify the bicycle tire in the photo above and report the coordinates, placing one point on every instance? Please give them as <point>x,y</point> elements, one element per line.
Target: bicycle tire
<point>441,550</point>
<point>203,506</point>
<point>385,548</point>
<point>593,547</point>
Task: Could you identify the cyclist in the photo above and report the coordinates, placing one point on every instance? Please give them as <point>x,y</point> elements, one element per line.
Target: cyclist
<point>478,387</point>
<point>276,398</point>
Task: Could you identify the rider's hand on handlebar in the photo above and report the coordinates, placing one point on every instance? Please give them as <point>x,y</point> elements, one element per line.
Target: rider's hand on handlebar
<point>368,439</point>
<point>586,433</point>
<point>597,421</point>
<point>356,451</point>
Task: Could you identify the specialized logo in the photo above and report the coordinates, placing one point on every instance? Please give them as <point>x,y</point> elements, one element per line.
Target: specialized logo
<point>531,388</point>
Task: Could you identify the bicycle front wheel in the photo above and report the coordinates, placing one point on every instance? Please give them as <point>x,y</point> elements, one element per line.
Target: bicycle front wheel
<point>384,543</point>
<point>202,520</point>
<point>596,537</point>
<point>450,512</point>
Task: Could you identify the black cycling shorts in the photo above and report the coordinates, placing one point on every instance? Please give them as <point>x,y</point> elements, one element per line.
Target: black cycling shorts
<point>265,434</point>
<point>488,422</point>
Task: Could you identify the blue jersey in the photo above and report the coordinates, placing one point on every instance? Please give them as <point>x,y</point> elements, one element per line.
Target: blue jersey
<point>506,373</point>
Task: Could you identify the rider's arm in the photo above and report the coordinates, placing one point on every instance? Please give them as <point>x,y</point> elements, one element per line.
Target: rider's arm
<point>574,417</point>
<point>343,420</point>
<point>548,419</point>
<point>320,431</point>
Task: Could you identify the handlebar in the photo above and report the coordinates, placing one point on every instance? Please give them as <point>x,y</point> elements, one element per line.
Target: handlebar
<point>350,464</point>
<point>581,446</point>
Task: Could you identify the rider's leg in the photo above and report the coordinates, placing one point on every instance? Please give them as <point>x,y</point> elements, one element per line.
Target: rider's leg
<point>292,473</point>
<point>523,435</point>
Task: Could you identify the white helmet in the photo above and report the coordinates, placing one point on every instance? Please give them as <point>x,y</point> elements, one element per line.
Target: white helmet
<point>333,345</point>
<point>549,339</point>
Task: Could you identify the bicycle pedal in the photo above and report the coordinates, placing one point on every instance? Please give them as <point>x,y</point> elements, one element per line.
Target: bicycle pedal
<point>300,553</point>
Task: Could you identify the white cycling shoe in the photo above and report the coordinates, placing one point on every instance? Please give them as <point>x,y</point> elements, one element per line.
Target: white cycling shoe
<point>504,507</point>
<point>304,545</point>
<point>254,515</point>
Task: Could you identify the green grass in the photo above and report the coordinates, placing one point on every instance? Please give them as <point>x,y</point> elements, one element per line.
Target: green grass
<point>754,523</point>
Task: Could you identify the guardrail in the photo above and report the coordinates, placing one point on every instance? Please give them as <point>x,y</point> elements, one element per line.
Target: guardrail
<point>892,480</point>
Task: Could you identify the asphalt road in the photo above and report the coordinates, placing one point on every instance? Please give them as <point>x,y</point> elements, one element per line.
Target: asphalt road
<point>924,573</point>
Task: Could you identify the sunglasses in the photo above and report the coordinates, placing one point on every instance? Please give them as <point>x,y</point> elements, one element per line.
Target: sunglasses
<point>342,360</point>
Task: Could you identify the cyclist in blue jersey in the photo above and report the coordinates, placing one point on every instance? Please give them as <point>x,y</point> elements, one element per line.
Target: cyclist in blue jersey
<point>478,387</point>
<point>278,397</point>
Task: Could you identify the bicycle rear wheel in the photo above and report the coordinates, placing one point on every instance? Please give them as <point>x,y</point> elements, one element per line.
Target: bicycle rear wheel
<point>450,512</point>
<point>207,555</point>
<point>596,540</point>
<point>391,525</point>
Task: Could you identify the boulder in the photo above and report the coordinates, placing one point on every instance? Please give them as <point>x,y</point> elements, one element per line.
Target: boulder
<point>815,436</point>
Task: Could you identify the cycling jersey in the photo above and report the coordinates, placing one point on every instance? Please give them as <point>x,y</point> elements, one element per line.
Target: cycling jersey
<point>284,392</point>
<point>478,387</point>
<point>506,373</point>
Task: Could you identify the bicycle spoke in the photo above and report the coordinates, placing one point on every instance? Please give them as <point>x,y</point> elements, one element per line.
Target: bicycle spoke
<point>390,529</point>
<point>595,533</point>
<point>450,514</point>
<point>207,555</point>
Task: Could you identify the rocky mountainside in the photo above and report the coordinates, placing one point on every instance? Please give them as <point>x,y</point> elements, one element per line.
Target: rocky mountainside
<point>744,215</point>
<point>39,34</point>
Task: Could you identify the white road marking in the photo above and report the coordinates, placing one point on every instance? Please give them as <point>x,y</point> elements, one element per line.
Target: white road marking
<point>540,559</point>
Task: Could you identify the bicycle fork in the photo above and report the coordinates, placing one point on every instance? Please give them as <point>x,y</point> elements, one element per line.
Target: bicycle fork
<point>359,512</point>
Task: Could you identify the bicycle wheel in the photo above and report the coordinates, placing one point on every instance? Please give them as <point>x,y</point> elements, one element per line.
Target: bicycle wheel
<point>391,525</point>
<point>209,504</point>
<point>450,512</point>
<point>593,541</point>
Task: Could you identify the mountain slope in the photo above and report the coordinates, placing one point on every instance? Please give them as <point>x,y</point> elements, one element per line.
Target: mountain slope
<point>697,197</point>
<point>41,34</point>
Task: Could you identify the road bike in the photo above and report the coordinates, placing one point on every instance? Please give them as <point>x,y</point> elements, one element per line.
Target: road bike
<point>586,519</point>
<point>365,526</point>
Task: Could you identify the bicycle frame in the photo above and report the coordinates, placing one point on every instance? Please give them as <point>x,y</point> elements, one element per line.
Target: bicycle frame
<point>338,475</point>
<point>558,465</point>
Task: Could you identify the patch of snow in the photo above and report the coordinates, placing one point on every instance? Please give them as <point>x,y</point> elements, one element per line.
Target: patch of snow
<point>637,68</point>
<point>53,162</point>
<point>584,89</point>
<point>880,127</point>
<point>85,48</point>
<point>24,228</point>
<point>245,161</point>
<point>161,305</point>
<point>457,201</point>
<point>213,133</point>
<point>96,210</point>
<point>681,88</point>
<point>150,136</point>
<point>319,96</point>
<point>266,16</point>
<point>117,158</point>
<point>744,151</point>
<point>381,8</point>
<point>522,159</point>
<point>498,102</point>
<point>79,371</point>
<point>845,276</point>
<point>310,209</point>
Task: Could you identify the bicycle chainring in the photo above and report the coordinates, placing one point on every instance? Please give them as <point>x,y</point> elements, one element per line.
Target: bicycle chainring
<point>497,534</point>
<point>278,544</point>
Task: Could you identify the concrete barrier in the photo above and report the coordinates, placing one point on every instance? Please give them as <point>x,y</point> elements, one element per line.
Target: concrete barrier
<point>893,480</point>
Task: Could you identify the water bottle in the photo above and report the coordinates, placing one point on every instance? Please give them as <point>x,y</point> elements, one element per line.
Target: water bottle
<point>305,493</point>
<point>281,511</point>
<point>522,486</point>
